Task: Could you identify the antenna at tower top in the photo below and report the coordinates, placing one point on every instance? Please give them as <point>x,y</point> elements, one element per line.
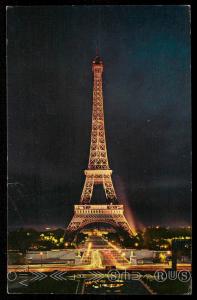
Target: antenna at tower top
<point>97,51</point>
<point>98,46</point>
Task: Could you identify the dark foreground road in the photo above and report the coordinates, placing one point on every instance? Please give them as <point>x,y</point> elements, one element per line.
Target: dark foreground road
<point>95,282</point>
<point>69,285</point>
<point>132,287</point>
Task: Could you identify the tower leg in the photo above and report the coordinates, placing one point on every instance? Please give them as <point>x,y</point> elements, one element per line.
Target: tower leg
<point>87,190</point>
<point>109,188</point>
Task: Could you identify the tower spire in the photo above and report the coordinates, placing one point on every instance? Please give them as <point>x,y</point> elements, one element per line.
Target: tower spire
<point>97,51</point>
<point>98,45</point>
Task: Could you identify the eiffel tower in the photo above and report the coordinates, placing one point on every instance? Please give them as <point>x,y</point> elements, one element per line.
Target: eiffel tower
<point>98,171</point>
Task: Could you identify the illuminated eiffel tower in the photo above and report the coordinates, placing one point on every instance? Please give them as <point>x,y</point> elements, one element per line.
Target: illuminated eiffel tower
<point>98,172</point>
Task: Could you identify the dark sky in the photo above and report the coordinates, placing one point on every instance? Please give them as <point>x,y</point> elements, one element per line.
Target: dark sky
<point>146,54</point>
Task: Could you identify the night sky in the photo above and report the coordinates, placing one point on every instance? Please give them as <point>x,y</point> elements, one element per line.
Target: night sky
<point>146,83</point>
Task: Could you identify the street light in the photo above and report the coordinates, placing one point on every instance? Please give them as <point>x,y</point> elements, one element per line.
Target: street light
<point>41,253</point>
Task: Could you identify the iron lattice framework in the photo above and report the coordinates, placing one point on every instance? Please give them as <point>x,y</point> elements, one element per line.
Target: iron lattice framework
<point>98,171</point>
<point>98,167</point>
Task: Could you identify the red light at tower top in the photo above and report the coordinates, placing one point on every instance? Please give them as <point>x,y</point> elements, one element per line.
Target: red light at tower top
<point>97,65</point>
